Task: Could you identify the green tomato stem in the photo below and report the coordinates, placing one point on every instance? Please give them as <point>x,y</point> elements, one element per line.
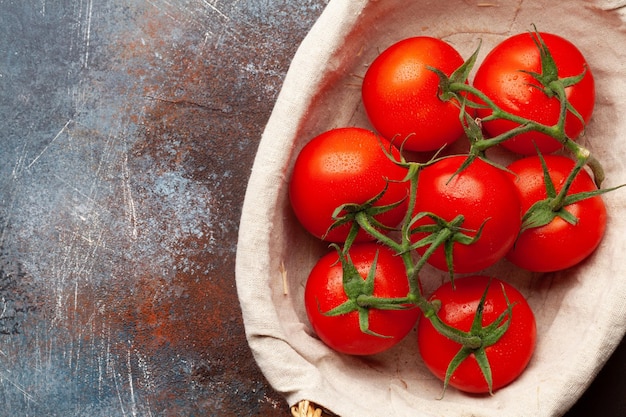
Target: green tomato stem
<point>525,125</point>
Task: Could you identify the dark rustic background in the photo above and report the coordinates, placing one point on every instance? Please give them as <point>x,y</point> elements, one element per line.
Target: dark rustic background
<point>128,129</point>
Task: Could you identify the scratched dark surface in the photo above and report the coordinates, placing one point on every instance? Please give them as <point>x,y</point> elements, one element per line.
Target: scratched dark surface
<point>128,129</point>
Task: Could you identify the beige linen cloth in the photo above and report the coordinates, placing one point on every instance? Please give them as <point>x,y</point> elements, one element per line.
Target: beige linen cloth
<point>581,313</point>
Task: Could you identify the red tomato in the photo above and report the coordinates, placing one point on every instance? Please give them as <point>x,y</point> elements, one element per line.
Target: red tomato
<point>400,94</point>
<point>324,291</point>
<point>501,78</point>
<point>559,244</point>
<point>342,166</point>
<point>508,357</point>
<point>483,194</point>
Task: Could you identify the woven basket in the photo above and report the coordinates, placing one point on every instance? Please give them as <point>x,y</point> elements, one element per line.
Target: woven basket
<point>305,408</point>
<point>580,312</point>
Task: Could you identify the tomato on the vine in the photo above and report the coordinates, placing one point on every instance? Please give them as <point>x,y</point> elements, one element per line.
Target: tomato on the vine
<point>504,76</point>
<point>559,244</point>
<point>325,291</point>
<point>507,357</point>
<point>346,166</point>
<point>533,94</point>
<point>486,198</point>
<point>400,94</point>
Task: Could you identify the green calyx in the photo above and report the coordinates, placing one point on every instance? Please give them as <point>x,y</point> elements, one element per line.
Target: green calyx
<point>347,214</point>
<point>360,292</point>
<point>442,233</point>
<point>554,205</point>
<point>486,336</point>
<point>551,84</point>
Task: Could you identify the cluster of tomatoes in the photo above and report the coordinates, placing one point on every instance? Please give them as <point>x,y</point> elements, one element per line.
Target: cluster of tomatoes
<point>391,198</point>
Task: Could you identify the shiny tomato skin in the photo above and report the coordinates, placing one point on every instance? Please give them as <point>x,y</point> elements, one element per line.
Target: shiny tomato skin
<point>324,291</point>
<point>500,78</point>
<point>481,193</point>
<point>508,357</point>
<point>340,166</point>
<point>557,245</point>
<point>400,94</point>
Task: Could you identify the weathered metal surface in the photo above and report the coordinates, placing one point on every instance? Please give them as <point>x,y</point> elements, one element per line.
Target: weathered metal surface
<point>128,129</point>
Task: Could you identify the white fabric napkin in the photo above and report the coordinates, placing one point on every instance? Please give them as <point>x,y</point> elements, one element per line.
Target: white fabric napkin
<point>581,313</point>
